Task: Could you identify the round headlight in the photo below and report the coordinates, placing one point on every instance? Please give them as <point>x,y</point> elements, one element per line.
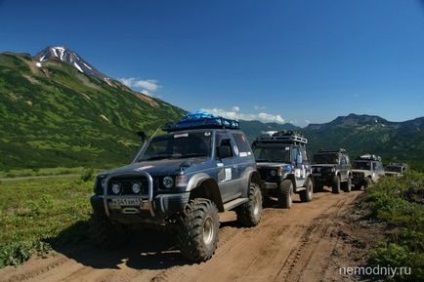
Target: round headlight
<point>168,182</point>
<point>273,173</point>
<point>136,188</point>
<point>116,188</point>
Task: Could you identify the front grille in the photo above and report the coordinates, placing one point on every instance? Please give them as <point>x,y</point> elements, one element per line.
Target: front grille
<point>266,175</point>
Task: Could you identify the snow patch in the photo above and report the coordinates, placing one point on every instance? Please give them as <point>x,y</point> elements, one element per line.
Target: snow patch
<point>87,66</point>
<point>42,58</point>
<point>78,67</point>
<point>38,64</point>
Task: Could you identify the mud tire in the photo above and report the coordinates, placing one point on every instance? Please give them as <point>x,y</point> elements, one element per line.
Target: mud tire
<point>335,186</point>
<point>347,186</point>
<point>285,192</point>
<point>307,194</point>
<point>107,234</point>
<point>249,214</point>
<point>197,230</point>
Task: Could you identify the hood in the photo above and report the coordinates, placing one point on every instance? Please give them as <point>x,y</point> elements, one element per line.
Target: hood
<point>361,171</point>
<point>323,165</point>
<point>272,165</point>
<point>156,168</point>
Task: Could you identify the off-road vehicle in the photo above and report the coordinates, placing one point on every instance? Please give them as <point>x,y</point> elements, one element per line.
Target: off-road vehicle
<point>366,169</point>
<point>283,164</point>
<point>180,180</point>
<point>332,168</point>
<point>396,169</point>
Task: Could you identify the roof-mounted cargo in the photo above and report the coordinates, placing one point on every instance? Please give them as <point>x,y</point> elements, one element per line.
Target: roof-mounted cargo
<point>368,157</point>
<point>201,119</point>
<point>282,137</point>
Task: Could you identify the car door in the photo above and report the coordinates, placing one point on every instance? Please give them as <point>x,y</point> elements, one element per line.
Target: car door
<point>227,173</point>
<point>299,166</point>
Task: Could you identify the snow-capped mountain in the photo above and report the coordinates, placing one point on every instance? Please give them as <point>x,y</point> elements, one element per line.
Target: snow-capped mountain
<point>70,57</point>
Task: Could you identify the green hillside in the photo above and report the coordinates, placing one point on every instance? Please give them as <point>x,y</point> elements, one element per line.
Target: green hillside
<point>56,116</point>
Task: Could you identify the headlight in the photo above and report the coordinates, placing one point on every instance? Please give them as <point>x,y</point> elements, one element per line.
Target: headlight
<point>273,173</point>
<point>168,182</point>
<point>136,188</point>
<point>103,182</point>
<point>116,188</point>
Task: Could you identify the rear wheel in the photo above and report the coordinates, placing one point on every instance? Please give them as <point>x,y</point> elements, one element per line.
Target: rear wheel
<point>285,192</point>
<point>249,214</point>
<point>335,187</point>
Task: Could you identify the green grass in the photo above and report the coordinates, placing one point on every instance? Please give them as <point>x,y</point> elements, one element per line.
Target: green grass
<point>398,201</point>
<point>36,214</point>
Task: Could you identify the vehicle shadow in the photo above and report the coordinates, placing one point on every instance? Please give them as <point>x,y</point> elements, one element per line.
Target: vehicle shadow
<point>146,249</point>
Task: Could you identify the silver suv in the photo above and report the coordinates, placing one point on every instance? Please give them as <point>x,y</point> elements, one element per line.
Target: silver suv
<point>366,169</point>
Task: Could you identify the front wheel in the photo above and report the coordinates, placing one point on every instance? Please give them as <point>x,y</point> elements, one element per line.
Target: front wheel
<point>107,234</point>
<point>335,187</point>
<point>249,214</point>
<point>347,186</point>
<point>307,194</point>
<point>197,230</point>
<point>285,192</point>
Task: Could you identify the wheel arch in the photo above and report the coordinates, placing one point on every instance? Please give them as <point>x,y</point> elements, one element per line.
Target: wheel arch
<point>208,189</point>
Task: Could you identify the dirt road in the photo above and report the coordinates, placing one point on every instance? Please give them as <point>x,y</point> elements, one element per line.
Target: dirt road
<point>305,243</point>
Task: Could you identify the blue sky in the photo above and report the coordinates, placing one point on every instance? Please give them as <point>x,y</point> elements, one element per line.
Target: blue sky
<point>297,61</point>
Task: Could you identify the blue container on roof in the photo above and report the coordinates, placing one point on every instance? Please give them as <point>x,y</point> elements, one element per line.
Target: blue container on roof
<point>202,119</point>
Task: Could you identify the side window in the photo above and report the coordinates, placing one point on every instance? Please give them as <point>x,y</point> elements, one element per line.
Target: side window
<point>242,144</point>
<point>303,153</point>
<point>343,160</point>
<point>297,155</point>
<point>223,139</point>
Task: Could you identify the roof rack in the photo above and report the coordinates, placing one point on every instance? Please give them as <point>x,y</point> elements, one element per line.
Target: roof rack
<point>341,150</point>
<point>282,136</point>
<point>199,120</point>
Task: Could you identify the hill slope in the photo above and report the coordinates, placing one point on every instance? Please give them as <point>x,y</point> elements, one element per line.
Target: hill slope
<point>55,115</point>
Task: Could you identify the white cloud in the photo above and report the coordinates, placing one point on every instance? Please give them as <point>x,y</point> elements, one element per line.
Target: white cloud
<point>235,113</point>
<point>147,86</point>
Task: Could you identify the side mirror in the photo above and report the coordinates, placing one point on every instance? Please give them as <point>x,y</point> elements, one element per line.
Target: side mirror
<point>224,152</point>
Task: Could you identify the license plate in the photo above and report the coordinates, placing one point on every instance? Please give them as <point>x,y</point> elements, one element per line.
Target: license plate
<point>316,174</point>
<point>127,202</point>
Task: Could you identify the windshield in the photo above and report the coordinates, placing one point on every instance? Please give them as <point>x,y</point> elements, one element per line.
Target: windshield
<point>394,168</point>
<point>329,158</point>
<point>178,145</point>
<point>272,153</point>
<point>361,165</point>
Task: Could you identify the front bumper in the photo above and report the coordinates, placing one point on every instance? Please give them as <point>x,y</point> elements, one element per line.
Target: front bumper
<point>162,206</point>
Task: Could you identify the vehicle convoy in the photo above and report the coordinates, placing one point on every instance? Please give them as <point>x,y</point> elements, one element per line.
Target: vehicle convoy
<point>396,169</point>
<point>332,168</point>
<point>366,169</point>
<point>283,164</point>
<point>180,180</point>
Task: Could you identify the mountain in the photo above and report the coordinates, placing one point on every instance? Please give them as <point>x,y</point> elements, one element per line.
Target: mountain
<point>52,114</point>
<point>58,110</point>
<point>68,56</point>
<point>360,134</point>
